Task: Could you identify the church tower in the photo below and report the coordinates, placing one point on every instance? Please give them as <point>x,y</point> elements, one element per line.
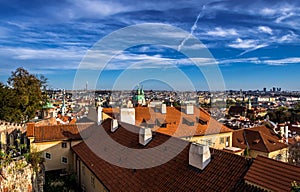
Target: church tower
<point>139,97</point>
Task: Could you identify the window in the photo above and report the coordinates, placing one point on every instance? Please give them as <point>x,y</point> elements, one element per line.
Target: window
<point>278,157</point>
<point>222,140</point>
<point>64,159</point>
<point>227,141</point>
<point>63,145</point>
<point>188,138</point>
<point>48,156</point>
<point>93,181</point>
<point>209,142</point>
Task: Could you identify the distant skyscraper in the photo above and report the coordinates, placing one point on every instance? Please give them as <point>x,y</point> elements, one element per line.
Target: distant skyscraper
<point>265,89</point>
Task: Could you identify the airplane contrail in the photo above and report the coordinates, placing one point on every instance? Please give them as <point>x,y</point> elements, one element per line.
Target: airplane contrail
<point>193,28</point>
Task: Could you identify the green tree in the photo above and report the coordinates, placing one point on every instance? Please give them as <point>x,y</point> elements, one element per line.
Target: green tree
<point>44,84</point>
<point>23,96</point>
<point>8,103</point>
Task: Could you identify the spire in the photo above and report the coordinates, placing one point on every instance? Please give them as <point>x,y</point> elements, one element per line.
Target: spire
<point>249,103</point>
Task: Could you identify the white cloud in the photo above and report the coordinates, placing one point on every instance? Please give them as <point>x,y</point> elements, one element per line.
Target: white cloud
<point>254,60</point>
<point>127,60</point>
<point>283,17</point>
<point>21,26</point>
<point>92,8</point>
<point>243,44</point>
<point>291,60</point>
<point>254,48</point>
<point>31,53</point>
<point>288,37</point>
<point>267,11</point>
<point>265,29</point>
<point>248,45</point>
<point>222,32</point>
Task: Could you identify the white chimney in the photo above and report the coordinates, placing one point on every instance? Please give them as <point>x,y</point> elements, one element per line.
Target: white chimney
<point>189,109</point>
<point>99,115</point>
<point>145,136</point>
<point>199,155</point>
<point>114,125</point>
<point>128,115</point>
<point>163,108</point>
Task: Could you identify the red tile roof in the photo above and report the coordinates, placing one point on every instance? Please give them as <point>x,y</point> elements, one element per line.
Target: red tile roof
<point>223,173</point>
<point>177,122</point>
<point>273,175</point>
<point>257,138</point>
<point>30,130</point>
<point>56,132</point>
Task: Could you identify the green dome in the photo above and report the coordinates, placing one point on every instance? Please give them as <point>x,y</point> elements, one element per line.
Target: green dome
<point>48,106</point>
<point>139,96</point>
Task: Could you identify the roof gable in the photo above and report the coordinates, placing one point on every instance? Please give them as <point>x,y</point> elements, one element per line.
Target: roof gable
<point>257,138</point>
<point>178,123</point>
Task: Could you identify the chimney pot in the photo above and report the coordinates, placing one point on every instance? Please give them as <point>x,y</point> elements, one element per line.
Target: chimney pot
<point>163,108</point>
<point>99,115</point>
<point>199,155</point>
<point>114,125</point>
<point>145,136</point>
<point>189,109</point>
<point>128,115</point>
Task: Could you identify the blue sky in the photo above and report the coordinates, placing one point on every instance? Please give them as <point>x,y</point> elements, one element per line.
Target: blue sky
<point>255,43</point>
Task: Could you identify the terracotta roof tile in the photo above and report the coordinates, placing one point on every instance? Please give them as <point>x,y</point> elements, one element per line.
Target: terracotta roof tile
<point>178,123</point>
<point>30,130</point>
<point>222,174</point>
<point>273,175</point>
<point>257,138</point>
<point>58,132</point>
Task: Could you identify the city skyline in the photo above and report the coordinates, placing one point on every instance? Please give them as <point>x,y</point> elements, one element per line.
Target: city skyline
<point>255,44</point>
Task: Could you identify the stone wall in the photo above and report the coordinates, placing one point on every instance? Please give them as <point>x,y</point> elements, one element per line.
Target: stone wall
<point>6,125</point>
<point>17,176</point>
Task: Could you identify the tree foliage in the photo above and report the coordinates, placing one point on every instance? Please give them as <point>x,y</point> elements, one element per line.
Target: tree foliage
<point>22,97</point>
<point>283,114</point>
